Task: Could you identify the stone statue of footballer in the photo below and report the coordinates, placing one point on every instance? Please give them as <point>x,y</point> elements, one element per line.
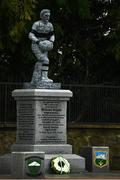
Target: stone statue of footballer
<point>42,37</point>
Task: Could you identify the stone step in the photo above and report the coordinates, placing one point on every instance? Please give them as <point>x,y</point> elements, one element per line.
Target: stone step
<point>77,162</point>
<point>5,164</point>
<point>47,148</point>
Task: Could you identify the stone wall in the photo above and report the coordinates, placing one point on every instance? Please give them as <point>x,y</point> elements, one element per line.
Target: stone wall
<point>97,135</point>
<point>7,137</point>
<point>78,136</point>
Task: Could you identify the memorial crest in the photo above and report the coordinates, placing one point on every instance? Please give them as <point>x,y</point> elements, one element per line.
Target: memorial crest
<point>33,166</point>
<point>100,158</point>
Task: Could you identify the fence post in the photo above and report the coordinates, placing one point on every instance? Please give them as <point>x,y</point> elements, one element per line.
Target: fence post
<point>69,106</point>
<point>5,120</point>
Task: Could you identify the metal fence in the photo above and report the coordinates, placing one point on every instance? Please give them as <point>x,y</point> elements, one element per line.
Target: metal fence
<point>89,104</point>
<point>7,103</point>
<point>95,104</point>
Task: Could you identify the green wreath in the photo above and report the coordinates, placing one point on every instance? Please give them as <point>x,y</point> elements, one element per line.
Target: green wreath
<point>60,165</point>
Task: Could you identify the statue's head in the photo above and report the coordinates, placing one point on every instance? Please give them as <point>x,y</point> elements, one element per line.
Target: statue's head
<point>45,14</point>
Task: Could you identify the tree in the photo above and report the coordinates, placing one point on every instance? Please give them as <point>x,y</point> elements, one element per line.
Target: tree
<point>15,17</point>
<point>87,44</point>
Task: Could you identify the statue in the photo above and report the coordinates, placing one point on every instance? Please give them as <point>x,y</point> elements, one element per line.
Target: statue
<point>42,37</point>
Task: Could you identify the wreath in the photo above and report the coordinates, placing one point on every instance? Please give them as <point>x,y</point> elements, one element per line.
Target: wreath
<point>60,165</point>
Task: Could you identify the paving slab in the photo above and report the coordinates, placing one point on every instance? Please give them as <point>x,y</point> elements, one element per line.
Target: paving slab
<point>90,176</point>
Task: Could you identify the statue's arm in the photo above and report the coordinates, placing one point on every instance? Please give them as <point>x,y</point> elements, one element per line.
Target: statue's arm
<point>32,36</point>
<point>52,37</point>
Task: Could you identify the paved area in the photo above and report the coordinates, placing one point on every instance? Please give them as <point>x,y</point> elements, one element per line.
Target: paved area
<point>86,175</point>
<point>82,176</point>
<point>102,178</point>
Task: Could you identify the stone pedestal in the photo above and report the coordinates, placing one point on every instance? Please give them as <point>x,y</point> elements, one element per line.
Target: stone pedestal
<point>41,128</point>
<point>41,119</point>
<point>27,165</point>
<point>5,164</point>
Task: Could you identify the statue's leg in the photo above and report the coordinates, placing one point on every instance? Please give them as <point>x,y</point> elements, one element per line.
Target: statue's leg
<point>36,50</point>
<point>36,77</point>
<point>45,68</point>
<point>37,74</point>
<point>42,66</point>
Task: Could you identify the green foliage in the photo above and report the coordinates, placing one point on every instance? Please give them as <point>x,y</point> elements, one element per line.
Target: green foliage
<point>15,15</point>
<point>87,44</point>
<point>61,2</point>
<point>116,51</point>
<point>84,8</point>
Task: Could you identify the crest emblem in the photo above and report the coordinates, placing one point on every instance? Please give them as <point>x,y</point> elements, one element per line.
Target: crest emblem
<point>33,166</point>
<point>100,158</point>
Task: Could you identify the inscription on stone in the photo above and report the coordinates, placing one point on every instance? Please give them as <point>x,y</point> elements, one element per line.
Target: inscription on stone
<point>51,122</point>
<point>25,119</point>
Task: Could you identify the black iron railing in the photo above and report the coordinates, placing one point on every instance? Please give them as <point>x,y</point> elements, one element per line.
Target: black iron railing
<point>89,104</point>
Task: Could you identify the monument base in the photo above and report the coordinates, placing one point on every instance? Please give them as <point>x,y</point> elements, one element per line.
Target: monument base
<point>27,165</point>
<point>47,148</point>
<point>41,132</point>
<point>9,163</point>
<point>42,85</point>
<point>5,164</point>
<point>77,163</point>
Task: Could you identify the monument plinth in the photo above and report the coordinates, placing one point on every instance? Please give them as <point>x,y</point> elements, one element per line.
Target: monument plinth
<point>41,120</point>
<point>42,128</point>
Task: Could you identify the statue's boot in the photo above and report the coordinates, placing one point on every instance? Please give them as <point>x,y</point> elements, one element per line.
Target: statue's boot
<point>36,77</point>
<point>45,77</point>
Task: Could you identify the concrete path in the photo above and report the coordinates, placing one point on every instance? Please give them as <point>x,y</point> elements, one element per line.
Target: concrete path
<point>82,176</point>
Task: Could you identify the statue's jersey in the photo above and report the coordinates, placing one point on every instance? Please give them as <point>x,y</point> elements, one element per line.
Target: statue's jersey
<point>42,30</point>
<point>40,27</point>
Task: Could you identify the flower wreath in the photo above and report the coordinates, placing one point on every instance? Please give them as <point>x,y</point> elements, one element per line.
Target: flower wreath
<point>60,165</point>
